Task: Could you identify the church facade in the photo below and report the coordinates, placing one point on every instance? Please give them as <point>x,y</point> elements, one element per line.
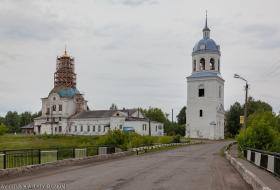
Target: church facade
<point>205,91</point>
<point>65,111</point>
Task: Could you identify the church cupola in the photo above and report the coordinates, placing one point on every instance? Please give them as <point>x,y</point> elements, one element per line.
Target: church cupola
<point>206,53</point>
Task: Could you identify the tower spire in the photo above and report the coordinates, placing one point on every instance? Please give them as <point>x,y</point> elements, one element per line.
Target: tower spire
<point>65,50</point>
<point>206,30</point>
<point>206,25</point>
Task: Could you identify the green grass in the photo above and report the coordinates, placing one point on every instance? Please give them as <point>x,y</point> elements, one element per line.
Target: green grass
<point>8,142</point>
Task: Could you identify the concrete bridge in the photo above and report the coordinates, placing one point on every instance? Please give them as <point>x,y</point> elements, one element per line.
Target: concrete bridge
<point>198,167</point>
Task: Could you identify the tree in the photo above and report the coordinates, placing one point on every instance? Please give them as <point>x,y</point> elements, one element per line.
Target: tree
<point>181,117</point>
<point>260,133</point>
<point>113,107</point>
<point>12,121</point>
<point>233,119</point>
<point>236,110</point>
<point>25,118</point>
<point>257,106</point>
<point>3,129</point>
<point>155,114</point>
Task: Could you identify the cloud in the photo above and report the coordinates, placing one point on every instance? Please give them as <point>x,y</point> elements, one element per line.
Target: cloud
<point>135,2</point>
<point>31,22</point>
<point>264,36</point>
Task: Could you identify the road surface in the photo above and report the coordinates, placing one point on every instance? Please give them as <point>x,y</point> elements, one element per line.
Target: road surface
<point>198,167</point>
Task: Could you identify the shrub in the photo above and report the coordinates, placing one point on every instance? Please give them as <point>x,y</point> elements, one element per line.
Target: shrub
<point>130,140</point>
<point>260,133</point>
<point>176,139</point>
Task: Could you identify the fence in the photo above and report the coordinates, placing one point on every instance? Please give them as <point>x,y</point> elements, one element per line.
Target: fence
<point>269,161</point>
<point>25,157</point>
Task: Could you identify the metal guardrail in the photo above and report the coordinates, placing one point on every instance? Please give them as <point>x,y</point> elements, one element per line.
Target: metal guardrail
<point>269,161</point>
<point>25,157</point>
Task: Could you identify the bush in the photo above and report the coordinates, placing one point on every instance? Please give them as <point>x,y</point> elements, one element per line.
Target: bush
<point>176,139</point>
<point>261,133</point>
<point>131,140</point>
<point>3,129</point>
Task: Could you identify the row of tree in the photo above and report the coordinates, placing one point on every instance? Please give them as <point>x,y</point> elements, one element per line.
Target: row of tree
<point>14,120</point>
<point>232,117</point>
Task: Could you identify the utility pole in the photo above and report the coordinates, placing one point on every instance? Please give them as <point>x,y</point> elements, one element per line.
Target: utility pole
<point>246,98</point>
<point>172,116</point>
<point>246,105</point>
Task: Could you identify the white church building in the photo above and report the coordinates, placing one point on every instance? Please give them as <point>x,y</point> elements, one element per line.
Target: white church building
<point>205,91</point>
<point>65,111</point>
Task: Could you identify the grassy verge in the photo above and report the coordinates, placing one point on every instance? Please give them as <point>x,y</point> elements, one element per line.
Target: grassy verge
<point>8,142</point>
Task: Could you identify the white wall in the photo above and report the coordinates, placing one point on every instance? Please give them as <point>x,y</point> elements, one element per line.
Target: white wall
<point>208,125</point>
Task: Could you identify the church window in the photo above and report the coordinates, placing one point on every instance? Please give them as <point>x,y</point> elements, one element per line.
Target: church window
<point>156,128</point>
<point>59,118</point>
<point>99,128</point>
<point>93,128</point>
<point>54,98</point>
<point>60,107</point>
<point>54,108</point>
<point>104,128</point>
<point>88,128</point>
<point>82,128</point>
<point>55,129</point>
<point>60,129</point>
<point>194,65</point>
<point>47,119</point>
<point>219,65</point>
<point>212,64</point>
<point>120,126</point>
<point>200,113</point>
<point>75,128</point>
<point>202,64</point>
<point>201,91</point>
<point>48,111</point>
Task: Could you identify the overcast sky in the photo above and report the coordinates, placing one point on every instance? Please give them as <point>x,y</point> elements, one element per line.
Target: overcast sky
<point>135,53</point>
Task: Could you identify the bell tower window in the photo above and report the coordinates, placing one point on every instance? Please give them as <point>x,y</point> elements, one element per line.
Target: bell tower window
<point>200,113</point>
<point>202,64</point>
<point>212,64</point>
<point>219,65</point>
<point>201,91</point>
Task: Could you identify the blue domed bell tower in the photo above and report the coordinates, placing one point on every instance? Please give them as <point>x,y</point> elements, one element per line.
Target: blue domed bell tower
<point>205,91</point>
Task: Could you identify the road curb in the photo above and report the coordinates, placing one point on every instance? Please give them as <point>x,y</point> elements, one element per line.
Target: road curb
<point>247,175</point>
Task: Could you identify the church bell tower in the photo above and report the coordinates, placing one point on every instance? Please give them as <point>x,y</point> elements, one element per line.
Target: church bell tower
<point>205,91</point>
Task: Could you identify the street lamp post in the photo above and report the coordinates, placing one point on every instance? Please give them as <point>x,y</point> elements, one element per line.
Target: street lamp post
<point>246,98</point>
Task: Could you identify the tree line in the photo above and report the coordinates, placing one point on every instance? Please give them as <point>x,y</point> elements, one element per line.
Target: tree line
<point>13,120</point>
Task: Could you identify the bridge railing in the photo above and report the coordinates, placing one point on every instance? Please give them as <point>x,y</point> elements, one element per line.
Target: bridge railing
<point>269,161</point>
<point>25,157</point>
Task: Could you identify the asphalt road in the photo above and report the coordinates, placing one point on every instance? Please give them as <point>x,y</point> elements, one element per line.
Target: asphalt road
<point>199,167</point>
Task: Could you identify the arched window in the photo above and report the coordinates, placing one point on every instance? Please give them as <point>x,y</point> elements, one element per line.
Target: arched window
<point>212,64</point>
<point>219,65</point>
<point>202,64</point>
<point>194,65</point>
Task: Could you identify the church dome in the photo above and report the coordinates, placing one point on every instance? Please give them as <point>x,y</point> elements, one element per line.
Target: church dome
<point>65,92</point>
<point>206,45</point>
